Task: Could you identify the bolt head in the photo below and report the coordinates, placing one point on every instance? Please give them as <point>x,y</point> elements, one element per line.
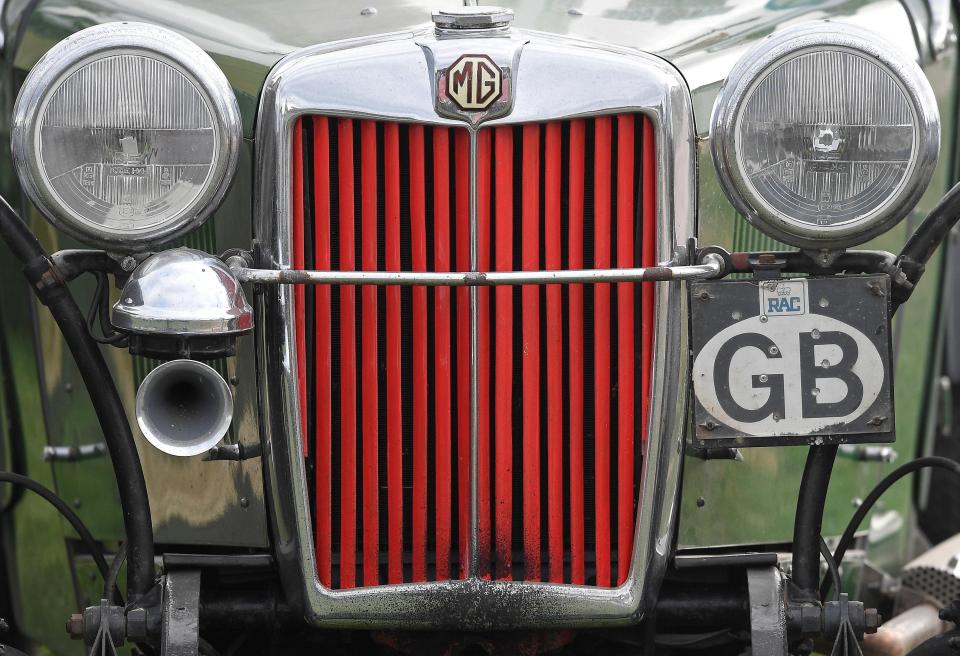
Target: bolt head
<point>871,620</point>
<point>75,626</point>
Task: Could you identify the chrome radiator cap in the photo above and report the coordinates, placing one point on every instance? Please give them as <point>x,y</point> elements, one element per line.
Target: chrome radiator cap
<point>472,17</point>
<point>182,292</point>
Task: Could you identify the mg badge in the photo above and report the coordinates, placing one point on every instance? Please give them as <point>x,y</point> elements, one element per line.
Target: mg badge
<point>474,82</point>
<point>475,87</point>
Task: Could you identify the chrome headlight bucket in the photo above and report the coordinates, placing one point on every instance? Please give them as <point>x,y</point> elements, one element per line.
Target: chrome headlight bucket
<point>824,136</point>
<point>126,135</point>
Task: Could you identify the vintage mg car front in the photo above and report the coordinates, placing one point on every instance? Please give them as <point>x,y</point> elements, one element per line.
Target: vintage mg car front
<point>555,328</point>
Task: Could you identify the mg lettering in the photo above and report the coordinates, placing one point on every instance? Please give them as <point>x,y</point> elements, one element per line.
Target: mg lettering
<point>473,82</point>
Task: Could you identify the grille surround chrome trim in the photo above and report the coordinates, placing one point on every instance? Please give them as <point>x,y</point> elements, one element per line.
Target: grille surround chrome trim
<point>336,80</point>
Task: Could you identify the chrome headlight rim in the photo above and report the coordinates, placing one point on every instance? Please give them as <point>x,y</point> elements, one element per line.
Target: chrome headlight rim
<point>766,57</point>
<point>107,40</point>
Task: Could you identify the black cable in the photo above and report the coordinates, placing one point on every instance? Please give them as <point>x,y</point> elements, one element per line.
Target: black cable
<point>809,518</point>
<point>53,292</point>
<point>847,538</point>
<point>85,536</point>
<point>100,310</point>
<point>832,569</point>
<point>110,582</point>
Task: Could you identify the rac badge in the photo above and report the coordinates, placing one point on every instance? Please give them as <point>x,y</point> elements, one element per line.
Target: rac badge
<point>473,82</point>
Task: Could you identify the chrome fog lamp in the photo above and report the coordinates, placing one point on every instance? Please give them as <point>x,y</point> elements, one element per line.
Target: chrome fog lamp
<point>825,136</point>
<point>126,135</point>
<point>182,303</point>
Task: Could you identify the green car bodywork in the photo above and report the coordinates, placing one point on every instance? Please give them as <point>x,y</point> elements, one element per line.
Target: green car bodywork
<point>724,502</point>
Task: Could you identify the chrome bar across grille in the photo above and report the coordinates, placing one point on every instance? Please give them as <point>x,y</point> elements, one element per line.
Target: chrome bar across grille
<point>712,267</point>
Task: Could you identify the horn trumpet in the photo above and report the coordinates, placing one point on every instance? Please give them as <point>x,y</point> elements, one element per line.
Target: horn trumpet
<point>184,407</point>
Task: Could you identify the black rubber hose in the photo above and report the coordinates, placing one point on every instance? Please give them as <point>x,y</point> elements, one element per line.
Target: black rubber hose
<point>933,230</point>
<point>85,535</point>
<point>53,292</point>
<point>809,518</point>
<point>914,465</point>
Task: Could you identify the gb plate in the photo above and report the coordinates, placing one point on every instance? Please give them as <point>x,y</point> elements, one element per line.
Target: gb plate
<point>795,361</point>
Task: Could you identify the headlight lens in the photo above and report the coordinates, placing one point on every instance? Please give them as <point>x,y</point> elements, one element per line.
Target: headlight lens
<point>824,137</point>
<point>126,135</point>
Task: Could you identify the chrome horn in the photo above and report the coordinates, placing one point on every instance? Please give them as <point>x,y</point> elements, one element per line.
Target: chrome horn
<point>184,407</point>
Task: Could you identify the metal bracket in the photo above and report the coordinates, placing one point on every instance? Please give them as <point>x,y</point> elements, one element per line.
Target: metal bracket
<point>768,615</point>
<point>181,613</point>
<point>74,453</point>
<point>239,451</point>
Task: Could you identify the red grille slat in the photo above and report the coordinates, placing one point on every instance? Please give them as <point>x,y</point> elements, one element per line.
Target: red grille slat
<point>503,475</point>
<point>530,300</point>
<point>462,192</point>
<point>483,351</point>
<point>626,422</point>
<point>554,352</point>
<point>348,359</point>
<point>322,349</point>
<point>560,419</point>
<point>391,183</point>
<point>368,346</point>
<point>575,366</point>
<point>648,258</point>
<point>601,345</point>
<point>299,292</point>
<point>442,357</point>
<point>418,251</point>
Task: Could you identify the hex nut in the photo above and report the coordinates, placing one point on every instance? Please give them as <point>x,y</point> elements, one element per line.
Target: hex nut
<point>137,623</point>
<point>811,622</point>
<point>871,620</point>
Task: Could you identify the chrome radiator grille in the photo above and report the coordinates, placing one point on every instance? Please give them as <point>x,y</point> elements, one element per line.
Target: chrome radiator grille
<point>563,371</point>
<point>409,539</point>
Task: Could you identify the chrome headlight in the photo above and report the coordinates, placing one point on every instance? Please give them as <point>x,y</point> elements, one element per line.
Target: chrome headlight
<point>126,135</point>
<point>824,136</point>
